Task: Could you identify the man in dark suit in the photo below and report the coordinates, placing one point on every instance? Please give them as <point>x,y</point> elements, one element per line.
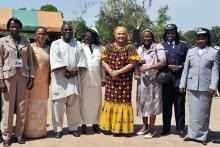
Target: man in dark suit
<point>176,51</point>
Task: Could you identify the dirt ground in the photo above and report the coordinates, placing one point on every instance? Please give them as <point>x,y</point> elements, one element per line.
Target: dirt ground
<point>101,140</point>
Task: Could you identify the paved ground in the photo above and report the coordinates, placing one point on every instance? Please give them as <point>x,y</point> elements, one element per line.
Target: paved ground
<point>101,140</point>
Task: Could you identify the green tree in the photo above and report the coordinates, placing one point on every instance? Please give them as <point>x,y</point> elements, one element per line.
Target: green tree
<point>162,19</point>
<point>215,35</point>
<point>49,8</point>
<point>80,27</point>
<point>189,37</point>
<point>131,14</point>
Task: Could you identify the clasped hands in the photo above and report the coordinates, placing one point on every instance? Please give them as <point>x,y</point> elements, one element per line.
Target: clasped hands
<point>69,73</point>
<point>175,68</point>
<point>114,74</point>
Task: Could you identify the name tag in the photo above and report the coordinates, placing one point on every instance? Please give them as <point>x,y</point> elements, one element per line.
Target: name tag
<point>17,63</point>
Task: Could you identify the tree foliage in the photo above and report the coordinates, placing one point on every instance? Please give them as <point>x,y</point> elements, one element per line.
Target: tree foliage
<point>131,14</point>
<point>189,37</point>
<point>215,35</point>
<point>49,8</point>
<point>160,23</point>
<point>80,27</point>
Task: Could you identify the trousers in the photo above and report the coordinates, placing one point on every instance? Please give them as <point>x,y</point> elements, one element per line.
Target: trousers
<point>14,97</point>
<point>69,104</point>
<point>171,96</point>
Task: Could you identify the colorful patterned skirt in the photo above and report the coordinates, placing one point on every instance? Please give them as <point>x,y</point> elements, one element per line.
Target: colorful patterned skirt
<point>117,117</point>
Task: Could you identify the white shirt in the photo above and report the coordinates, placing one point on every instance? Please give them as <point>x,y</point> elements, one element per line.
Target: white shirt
<point>200,51</point>
<point>93,76</point>
<point>65,54</point>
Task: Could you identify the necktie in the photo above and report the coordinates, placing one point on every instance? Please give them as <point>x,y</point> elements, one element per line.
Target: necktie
<point>90,47</point>
<point>171,44</point>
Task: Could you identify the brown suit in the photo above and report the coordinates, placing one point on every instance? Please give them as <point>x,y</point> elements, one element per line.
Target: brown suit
<point>16,82</point>
<point>8,52</point>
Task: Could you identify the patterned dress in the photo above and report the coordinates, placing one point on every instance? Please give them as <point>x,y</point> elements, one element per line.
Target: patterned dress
<point>149,90</point>
<point>117,113</point>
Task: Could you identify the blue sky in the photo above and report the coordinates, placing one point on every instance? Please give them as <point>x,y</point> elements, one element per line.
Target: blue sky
<point>187,14</point>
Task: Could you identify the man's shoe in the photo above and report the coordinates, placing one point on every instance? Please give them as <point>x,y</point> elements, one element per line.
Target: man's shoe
<point>187,139</point>
<point>96,128</point>
<point>20,140</point>
<point>84,129</point>
<point>204,142</point>
<point>75,133</point>
<point>181,134</point>
<point>164,133</point>
<point>6,143</point>
<point>58,134</point>
<point>1,139</point>
<point>217,141</point>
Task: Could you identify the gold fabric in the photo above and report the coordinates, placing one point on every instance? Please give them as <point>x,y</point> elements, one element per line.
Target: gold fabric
<point>36,122</point>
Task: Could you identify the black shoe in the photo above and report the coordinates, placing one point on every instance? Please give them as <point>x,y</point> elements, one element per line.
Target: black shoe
<point>181,134</point>
<point>96,129</point>
<point>1,139</point>
<point>187,139</point>
<point>75,133</point>
<point>58,134</point>
<point>165,133</point>
<point>84,129</point>
<point>217,141</point>
<point>6,143</point>
<point>204,142</point>
<point>20,140</point>
<point>106,132</point>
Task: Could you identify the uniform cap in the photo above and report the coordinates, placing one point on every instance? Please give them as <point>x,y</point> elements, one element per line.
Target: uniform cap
<point>171,27</point>
<point>202,31</point>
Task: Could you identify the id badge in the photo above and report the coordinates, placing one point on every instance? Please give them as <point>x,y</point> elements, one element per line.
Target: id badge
<point>17,63</point>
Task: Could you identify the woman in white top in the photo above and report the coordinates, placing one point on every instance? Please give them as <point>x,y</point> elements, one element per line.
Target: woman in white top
<point>90,102</point>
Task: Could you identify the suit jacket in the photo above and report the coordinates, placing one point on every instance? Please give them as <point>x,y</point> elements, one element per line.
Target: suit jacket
<point>175,56</point>
<point>8,52</point>
<point>201,72</point>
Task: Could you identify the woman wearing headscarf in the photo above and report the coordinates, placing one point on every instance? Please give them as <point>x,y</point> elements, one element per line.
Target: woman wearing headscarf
<point>149,90</point>
<point>200,77</point>
<point>91,80</point>
<point>118,59</point>
<point>16,76</point>
<point>36,120</point>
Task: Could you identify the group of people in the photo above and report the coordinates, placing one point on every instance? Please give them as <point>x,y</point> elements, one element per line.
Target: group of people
<point>77,71</point>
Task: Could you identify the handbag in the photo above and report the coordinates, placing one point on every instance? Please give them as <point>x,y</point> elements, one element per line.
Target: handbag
<point>164,76</point>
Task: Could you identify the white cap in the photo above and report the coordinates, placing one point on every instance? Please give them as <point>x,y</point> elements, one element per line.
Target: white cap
<point>94,29</point>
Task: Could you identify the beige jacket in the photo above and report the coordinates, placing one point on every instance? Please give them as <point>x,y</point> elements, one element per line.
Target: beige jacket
<point>8,52</point>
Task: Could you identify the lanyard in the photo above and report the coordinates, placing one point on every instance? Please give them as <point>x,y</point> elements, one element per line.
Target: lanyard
<point>17,50</point>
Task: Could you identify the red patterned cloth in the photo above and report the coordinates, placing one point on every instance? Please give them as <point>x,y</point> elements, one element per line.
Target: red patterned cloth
<point>119,91</point>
